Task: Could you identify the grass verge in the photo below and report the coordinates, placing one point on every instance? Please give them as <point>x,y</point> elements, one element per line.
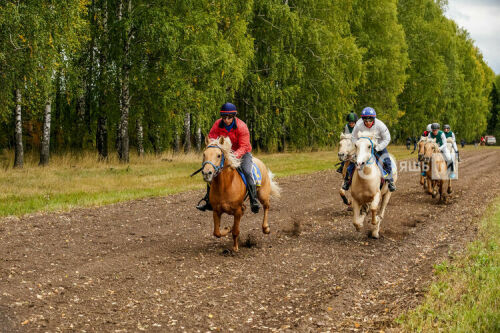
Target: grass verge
<point>466,295</point>
<point>79,180</point>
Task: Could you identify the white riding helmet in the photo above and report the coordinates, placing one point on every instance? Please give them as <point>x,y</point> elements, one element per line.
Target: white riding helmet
<point>429,128</point>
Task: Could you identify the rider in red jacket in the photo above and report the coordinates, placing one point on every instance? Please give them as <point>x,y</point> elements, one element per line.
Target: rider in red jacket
<point>236,130</point>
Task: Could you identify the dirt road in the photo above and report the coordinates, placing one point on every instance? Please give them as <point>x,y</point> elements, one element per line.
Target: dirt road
<point>154,265</point>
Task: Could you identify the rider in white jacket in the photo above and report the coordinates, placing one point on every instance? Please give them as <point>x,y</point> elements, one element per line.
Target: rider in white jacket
<point>369,123</point>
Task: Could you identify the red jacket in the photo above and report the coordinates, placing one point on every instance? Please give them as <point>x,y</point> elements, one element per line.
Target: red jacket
<point>239,135</point>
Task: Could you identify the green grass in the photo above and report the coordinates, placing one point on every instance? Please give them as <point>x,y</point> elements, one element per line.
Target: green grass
<point>466,295</point>
<point>79,180</point>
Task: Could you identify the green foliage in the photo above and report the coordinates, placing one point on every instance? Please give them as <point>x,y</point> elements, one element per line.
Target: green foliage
<point>294,68</point>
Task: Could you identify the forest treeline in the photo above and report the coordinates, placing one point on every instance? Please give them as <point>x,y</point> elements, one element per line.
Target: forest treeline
<point>151,74</point>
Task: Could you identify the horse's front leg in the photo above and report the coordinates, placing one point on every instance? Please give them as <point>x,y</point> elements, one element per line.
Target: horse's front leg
<point>357,217</point>
<point>217,232</point>
<point>236,228</point>
<point>374,207</point>
<point>450,190</point>
<point>380,217</point>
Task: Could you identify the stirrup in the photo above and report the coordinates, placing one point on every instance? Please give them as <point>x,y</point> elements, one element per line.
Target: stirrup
<point>206,206</point>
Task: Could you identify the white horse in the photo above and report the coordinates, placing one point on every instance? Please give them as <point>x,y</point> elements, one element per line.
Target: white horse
<point>365,190</point>
<point>347,153</point>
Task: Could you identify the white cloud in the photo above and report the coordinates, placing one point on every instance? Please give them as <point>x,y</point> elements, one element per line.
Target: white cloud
<point>481,19</point>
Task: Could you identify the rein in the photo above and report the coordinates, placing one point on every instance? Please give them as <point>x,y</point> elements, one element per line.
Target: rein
<point>217,169</point>
<point>372,152</point>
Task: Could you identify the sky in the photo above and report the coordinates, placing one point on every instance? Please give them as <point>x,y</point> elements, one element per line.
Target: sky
<point>481,18</point>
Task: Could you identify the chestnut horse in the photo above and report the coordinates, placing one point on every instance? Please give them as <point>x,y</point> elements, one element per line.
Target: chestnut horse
<point>437,171</point>
<point>347,154</point>
<point>227,189</point>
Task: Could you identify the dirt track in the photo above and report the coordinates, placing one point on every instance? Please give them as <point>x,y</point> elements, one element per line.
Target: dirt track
<point>154,265</point>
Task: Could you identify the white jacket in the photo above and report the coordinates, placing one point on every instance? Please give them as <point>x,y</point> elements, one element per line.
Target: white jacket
<point>379,129</point>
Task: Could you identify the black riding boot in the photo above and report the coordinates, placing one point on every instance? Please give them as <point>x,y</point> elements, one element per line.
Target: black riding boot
<point>254,203</point>
<point>347,182</point>
<point>391,185</point>
<point>207,205</point>
<point>340,168</point>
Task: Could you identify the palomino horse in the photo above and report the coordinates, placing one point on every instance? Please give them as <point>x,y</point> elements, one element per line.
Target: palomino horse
<point>346,154</point>
<point>227,189</point>
<point>366,190</point>
<point>423,165</point>
<point>437,171</point>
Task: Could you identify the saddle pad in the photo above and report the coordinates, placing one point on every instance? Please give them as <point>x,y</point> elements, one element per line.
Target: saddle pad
<point>256,175</point>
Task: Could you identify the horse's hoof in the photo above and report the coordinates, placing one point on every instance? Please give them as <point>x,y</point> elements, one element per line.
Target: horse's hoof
<point>266,230</point>
<point>375,235</point>
<point>357,226</point>
<point>450,191</point>
<point>434,195</point>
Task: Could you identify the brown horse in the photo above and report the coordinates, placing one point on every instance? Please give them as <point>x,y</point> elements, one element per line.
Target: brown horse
<point>227,189</point>
<point>437,172</point>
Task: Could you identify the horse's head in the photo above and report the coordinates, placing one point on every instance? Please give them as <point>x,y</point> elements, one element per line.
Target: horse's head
<point>430,147</point>
<point>421,148</point>
<point>346,147</point>
<point>364,149</point>
<point>214,158</point>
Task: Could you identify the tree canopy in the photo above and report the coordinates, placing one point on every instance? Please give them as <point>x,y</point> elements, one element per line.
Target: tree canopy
<point>294,69</point>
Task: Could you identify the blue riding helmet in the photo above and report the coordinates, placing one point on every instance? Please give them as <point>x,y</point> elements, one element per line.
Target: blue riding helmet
<point>368,112</point>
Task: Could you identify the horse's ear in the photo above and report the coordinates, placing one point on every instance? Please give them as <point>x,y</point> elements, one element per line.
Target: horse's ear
<point>206,140</point>
<point>221,140</point>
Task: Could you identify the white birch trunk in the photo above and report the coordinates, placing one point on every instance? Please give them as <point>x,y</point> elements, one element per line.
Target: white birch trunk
<point>19,150</point>
<point>45,149</point>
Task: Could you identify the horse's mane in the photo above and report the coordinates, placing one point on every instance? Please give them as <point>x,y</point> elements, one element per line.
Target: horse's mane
<point>231,159</point>
<point>449,140</point>
<point>423,138</point>
<point>345,136</point>
<point>367,134</point>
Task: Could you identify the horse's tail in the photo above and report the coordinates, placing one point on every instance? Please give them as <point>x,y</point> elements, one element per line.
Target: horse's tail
<point>275,189</point>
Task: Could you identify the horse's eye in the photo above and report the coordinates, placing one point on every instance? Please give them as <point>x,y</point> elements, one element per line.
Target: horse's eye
<point>218,156</point>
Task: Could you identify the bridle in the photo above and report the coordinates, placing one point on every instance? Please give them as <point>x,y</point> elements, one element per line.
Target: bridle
<point>372,151</point>
<point>217,169</point>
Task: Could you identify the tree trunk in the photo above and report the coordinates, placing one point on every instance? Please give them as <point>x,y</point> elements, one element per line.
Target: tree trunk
<point>187,133</point>
<point>102,137</point>
<point>176,141</point>
<point>140,136</point>
<point>198,138</point>
<point>102,120</point>
<point>45,149</point>
<point>19,151</point>
<point>125,93</point>
<point>154,137</point>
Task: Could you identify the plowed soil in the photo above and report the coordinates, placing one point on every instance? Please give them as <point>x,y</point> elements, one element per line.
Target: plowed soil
<point>154,265</point>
